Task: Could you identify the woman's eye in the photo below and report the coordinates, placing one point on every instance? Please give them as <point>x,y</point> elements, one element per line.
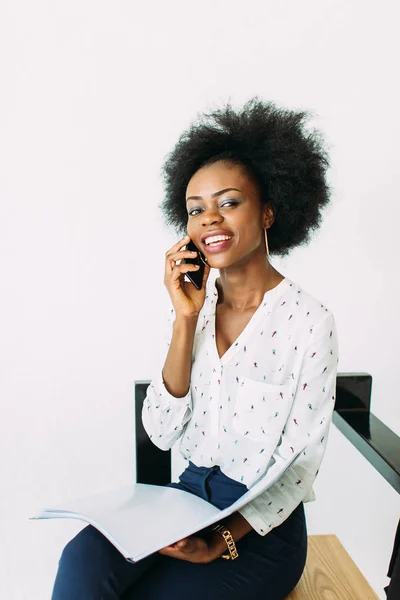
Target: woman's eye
<point>229,203</point>
<point>193,212</point>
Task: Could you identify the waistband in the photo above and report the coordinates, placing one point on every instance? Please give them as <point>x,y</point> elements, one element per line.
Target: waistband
<point>211,484</point>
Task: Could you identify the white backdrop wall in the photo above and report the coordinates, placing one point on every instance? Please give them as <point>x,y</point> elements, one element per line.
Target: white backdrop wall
<point>93,96</point>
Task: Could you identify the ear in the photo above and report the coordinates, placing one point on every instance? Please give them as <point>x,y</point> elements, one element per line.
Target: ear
<point>268,215</point>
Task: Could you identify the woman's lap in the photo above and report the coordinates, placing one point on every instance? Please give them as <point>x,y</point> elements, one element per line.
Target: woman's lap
<point>269,566</point>
<point>91,568</point>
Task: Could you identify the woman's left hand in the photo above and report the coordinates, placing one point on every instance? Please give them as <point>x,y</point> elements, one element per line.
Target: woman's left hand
<point>193,549</point>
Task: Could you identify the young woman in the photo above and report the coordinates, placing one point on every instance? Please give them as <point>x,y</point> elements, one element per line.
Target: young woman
<point>250,372</point>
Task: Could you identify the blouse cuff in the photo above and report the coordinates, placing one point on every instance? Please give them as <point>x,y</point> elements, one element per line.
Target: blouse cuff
<point>167,401</point>
<point>254,519</point>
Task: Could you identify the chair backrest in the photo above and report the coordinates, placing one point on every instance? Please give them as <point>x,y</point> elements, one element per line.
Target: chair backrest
<point>152,464</point>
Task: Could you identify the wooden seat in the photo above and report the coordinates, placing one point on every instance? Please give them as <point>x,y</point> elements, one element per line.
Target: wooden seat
<point>330,574</point>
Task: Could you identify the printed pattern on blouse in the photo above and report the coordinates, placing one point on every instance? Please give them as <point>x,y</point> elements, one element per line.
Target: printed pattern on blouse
<point>269,396</point>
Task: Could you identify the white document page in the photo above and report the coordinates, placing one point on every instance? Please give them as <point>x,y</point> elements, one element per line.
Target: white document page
<point>141,519</point>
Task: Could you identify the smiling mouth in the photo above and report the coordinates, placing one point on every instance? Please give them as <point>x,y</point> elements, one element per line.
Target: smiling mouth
<point>217,243</point>
<point>215,240</point>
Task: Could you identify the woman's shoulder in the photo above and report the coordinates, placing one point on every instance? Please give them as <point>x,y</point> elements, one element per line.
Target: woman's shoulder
<point>304,303</point>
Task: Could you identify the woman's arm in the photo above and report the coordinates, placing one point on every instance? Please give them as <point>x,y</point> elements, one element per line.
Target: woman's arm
<point>178,364</point>
<point>188,302</point>
<point>205,549</point>
<point>168,404</point>
<point>238,527</point>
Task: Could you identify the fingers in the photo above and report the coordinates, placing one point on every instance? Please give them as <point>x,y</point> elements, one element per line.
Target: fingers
<point>185,546</point>
<point>179,270</point>
<point>181,545</point>
<point>176,247</point>
<point>173,258</point>
<point>176,253</point>
<point>192,549</point>
<point>185,295</point>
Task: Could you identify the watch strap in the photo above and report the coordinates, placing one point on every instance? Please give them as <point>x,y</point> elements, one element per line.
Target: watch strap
<point>230,542</point>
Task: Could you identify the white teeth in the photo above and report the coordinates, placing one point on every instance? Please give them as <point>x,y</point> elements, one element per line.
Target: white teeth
<point>217,238</point>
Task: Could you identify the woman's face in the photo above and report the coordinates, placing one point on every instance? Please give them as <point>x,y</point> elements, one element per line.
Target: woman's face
<point>222,200</point>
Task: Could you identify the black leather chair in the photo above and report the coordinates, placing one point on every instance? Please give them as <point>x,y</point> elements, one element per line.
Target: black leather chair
<point>153,465</point>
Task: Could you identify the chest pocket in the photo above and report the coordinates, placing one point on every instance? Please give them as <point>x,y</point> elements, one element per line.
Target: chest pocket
<point>261,410</point>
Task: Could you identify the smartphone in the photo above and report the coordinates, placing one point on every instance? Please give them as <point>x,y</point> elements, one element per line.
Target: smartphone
<point>196,277</point>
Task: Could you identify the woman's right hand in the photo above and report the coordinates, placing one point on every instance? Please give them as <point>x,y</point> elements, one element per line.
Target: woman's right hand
<point>186,298</point>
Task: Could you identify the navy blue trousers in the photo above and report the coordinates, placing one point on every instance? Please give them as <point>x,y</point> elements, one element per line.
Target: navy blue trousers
<point>268,567</point>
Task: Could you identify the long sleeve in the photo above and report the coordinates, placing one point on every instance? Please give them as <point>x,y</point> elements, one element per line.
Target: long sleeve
<point>307,427</point>
<point>163,415</point>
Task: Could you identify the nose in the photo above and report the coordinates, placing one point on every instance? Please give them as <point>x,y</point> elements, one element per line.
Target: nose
<point>211,216</point>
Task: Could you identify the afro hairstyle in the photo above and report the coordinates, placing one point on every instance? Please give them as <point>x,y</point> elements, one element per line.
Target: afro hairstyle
<point>287,161</point>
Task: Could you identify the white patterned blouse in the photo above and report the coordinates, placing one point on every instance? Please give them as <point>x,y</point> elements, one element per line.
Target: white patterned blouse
<point>270,395</point>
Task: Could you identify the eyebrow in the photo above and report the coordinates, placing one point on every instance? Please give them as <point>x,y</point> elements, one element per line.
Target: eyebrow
<point>214,195</point>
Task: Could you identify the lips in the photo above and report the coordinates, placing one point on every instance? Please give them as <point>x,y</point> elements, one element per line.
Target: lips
<point>217,240</point>
<point>215,232</point>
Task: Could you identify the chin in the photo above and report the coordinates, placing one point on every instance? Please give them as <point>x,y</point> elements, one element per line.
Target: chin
<point>219,262</point>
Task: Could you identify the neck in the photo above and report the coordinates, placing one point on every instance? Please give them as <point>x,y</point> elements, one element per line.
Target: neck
<point>244,289</point>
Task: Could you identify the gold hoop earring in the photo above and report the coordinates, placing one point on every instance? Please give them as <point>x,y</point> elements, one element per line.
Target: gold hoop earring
<point>266,241</point>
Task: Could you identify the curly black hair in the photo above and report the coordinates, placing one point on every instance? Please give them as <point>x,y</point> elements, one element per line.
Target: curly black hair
<point>288,163</point>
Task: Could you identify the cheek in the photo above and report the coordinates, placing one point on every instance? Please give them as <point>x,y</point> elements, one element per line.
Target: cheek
<point>251,230</point>
<point>253,238</point>
<point>189,228</point>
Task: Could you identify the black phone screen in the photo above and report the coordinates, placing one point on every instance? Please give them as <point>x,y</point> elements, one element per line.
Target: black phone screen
<point>196,277</point>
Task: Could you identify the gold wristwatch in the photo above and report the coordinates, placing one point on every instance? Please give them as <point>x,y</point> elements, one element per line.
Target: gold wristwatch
<point>226,534</point>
